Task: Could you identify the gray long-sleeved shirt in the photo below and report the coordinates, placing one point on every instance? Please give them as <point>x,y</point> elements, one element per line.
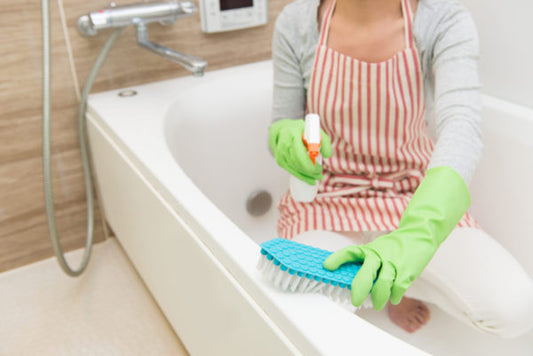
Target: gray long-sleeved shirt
<point>447,42</point>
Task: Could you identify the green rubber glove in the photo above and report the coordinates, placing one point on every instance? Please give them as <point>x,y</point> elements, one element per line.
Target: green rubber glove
<point>285,141</point>
<point>393,261</point>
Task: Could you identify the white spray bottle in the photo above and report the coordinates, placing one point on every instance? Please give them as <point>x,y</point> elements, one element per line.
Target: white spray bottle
<point>300,190</point>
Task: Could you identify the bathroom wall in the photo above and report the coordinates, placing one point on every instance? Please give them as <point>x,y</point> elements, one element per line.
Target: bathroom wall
<point>506,39</point>
<point>23,230</point>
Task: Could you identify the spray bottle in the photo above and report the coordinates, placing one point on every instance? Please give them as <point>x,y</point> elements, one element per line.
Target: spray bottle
<point>300,190</point>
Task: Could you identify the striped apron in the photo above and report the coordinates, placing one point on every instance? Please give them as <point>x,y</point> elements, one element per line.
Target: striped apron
<point>374,115</point>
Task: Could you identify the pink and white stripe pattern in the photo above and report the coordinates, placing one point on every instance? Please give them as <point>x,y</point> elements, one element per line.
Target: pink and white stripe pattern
<point>374,115</point>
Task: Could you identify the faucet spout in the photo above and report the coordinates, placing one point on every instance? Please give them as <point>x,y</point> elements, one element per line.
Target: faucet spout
<point>194,64</point>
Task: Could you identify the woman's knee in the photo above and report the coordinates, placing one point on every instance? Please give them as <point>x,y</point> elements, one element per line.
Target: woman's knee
<point>484,282</point>
<point>508,318</point>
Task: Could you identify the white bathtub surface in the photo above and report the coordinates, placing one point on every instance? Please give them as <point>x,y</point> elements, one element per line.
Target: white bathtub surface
<point>200,143</point>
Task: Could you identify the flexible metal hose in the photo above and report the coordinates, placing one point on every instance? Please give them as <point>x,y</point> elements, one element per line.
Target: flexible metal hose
<point>47,169</point>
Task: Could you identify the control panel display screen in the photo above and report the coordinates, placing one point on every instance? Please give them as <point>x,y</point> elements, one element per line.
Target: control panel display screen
<point>235,4</point>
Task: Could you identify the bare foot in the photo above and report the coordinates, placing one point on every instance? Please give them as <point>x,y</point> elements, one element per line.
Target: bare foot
<point>410,314</point>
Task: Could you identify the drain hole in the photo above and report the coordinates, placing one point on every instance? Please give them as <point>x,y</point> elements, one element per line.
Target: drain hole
<point>258,203</point>
<point>127,93</point>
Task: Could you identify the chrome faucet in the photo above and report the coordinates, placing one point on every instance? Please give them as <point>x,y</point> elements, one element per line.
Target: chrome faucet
<point>195,64</point>
<point>164,12</point>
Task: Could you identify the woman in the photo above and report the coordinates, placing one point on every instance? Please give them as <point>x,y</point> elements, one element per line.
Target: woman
<point>395,83</point>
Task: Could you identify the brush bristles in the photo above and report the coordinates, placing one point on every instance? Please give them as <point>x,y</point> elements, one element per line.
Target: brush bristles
<point>294,283</point>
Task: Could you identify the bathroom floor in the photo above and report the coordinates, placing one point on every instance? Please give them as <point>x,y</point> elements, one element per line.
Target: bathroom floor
<point>106,311</point>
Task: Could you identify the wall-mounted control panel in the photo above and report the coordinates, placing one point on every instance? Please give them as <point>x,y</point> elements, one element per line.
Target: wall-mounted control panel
<point>229,15</point>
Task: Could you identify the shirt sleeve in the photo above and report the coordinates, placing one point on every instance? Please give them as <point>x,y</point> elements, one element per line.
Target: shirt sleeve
<point>289,93</point>
<point>457,95</point>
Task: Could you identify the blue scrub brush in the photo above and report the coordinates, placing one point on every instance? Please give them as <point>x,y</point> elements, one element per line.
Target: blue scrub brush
<point>296,267</point>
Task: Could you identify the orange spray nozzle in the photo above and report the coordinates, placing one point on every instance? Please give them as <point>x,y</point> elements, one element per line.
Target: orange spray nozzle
<point>313,149</point>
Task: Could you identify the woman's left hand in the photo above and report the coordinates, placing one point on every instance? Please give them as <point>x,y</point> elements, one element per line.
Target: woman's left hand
<point>389,265</point>
<point>393,261</point>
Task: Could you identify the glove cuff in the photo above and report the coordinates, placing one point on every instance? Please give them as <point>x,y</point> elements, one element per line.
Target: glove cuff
<point>438,204</point>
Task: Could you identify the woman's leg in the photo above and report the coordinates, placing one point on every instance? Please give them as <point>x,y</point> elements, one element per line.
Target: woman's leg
<point>475,279</point>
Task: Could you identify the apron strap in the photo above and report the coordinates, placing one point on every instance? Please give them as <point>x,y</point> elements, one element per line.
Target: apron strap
<point>324,31</point>
<point>408,17</point>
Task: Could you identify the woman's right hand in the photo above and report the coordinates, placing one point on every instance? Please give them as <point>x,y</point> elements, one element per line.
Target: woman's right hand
<point>285,140</point>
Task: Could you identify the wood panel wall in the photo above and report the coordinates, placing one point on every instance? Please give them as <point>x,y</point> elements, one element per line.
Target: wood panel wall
<point>23,229</point>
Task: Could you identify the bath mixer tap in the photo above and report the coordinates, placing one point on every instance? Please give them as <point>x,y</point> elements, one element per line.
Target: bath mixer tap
<point>139,15</point>
<point>195,64</point>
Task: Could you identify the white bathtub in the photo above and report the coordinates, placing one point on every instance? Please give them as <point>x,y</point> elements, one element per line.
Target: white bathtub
<point>175,165</point>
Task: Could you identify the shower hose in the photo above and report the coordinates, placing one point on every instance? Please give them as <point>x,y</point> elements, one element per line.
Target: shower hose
<point>47,170</point>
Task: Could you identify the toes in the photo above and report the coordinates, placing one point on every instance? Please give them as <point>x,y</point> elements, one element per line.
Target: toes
<point>423,307</point>
<point>410,315</point>
<point>423,312</point>
<point>412,324</point>
<point>420,318</point>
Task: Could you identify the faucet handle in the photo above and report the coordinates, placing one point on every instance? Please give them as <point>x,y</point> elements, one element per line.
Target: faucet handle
<point>85,27</point>
<point>184,9</point>
<point>188,7</point>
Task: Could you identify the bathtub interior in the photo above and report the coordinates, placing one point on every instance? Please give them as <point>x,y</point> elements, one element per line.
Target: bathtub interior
<point>225,152</point>
<point>222,146</point>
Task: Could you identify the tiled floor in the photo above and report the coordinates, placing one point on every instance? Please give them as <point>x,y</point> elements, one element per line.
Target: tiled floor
<point>106,311</point>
